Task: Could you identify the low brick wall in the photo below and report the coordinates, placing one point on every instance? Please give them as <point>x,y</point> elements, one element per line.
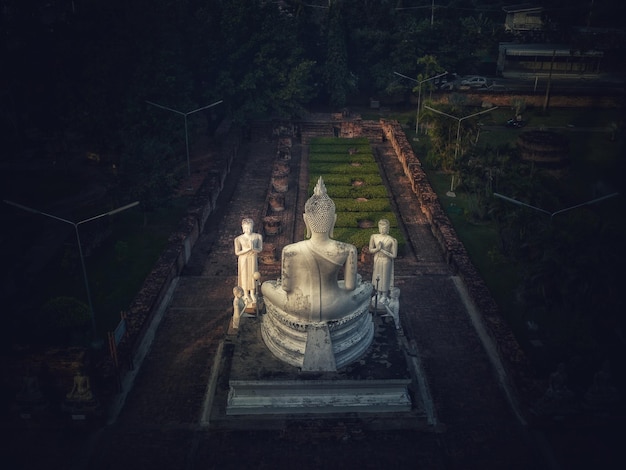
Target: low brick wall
<point>534,100</point>
<point>515,361</point>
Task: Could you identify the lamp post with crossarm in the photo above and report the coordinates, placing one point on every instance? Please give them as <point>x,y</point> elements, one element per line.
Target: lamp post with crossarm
<point>419,95</point>
<point>458,135</point>
<point>458,129</point>
<point>80,248</point>
<point>185,116</point>
<point>552,214</point>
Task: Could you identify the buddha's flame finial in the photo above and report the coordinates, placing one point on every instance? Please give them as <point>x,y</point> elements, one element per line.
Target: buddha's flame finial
<point>320,188</point>
<point>320,210</point>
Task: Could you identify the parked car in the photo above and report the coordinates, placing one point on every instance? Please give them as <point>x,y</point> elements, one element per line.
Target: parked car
<point>515,123</point>
<point>474,81</point>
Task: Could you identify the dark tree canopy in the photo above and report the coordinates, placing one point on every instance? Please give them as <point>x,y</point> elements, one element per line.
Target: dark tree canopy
<point>77,74</point>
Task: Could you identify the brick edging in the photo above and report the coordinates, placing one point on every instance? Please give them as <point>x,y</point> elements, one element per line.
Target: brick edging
<point>513,357</point>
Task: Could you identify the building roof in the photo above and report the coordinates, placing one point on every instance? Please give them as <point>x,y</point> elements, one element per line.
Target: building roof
<point>559,50</point>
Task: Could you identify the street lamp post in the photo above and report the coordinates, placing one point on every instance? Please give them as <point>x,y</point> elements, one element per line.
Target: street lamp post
<point>458,129</point>
<point>80,248</point>
<point>419,95</point>
<point>185,116</point>
<point>458,135</point>
<point>552,214</point>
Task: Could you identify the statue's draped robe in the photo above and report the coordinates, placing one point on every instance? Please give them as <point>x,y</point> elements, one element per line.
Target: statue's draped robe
<point>248,263</point>
<point>383,273</point>
<point>310,289</point>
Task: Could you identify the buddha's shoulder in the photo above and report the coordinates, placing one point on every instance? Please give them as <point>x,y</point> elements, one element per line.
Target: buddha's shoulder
<point>294,247</point>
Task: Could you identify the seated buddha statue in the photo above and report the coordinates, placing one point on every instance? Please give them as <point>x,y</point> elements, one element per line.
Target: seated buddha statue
<point>309,298</point>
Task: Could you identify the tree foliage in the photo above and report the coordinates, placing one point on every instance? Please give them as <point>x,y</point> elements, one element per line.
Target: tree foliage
<point>451,136</point>
<point>339,81</point>
<point>85,69</point>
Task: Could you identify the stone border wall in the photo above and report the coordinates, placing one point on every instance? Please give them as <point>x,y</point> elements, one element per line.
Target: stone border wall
<point>57,366</point>
<point>175,256</point>
<point>514,359</point>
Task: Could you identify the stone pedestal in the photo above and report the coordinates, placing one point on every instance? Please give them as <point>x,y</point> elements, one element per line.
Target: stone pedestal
<point>261,384</point>
<point>280,183</point>
<point>277,202</point>
<point>317,396</point>
<point>271,225</point>
<point>317,346</point>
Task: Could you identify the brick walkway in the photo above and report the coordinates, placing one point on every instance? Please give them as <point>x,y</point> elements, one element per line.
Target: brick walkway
<point>160,425</point>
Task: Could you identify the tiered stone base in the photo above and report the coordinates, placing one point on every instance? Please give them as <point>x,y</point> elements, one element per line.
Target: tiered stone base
<point>324,346</point>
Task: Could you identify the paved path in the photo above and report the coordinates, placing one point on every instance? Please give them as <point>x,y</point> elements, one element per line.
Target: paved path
<point>160,425</point>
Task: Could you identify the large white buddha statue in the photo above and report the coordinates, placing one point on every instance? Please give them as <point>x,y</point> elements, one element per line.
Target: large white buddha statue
<point>314,320</point>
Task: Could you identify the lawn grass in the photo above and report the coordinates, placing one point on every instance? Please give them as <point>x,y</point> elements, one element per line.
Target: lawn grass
<point>481,243</point>
<point>117,269</point>
<point>595,158</point>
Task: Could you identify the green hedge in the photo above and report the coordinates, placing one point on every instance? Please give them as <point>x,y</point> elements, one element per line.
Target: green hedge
<point>333,144</point>
<point>341,158</point>
<point>353,192</point>
<point>351,219</point>
<point>360,237</point>
<point>343,169</point>
<point>353,205</point>
<point>330,179</point>
<point>346,149</point>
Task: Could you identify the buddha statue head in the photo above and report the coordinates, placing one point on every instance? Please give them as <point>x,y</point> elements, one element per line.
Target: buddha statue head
<point>383,226</point>
<point>319,211</point>
<point>247,225</point>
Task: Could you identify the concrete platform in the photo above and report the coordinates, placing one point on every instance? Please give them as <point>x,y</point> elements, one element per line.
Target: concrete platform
<point>256,388</point>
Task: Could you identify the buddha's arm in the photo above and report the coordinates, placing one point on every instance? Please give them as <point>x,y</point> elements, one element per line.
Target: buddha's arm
<point>394,250</point>
<point>350,269</point>
<point>239,249</point>
<point>285,280</point>
<point>373,245</point>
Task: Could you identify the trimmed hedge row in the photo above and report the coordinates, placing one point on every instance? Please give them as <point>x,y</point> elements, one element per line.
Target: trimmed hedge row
<point>353,192</point>
<point>354,205</point>
<point>343,163</point>
<point>343,168</point>
<point>334,144</point>
<point>369,180</point>
<point>344,158</point>
<point>353,219</point>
